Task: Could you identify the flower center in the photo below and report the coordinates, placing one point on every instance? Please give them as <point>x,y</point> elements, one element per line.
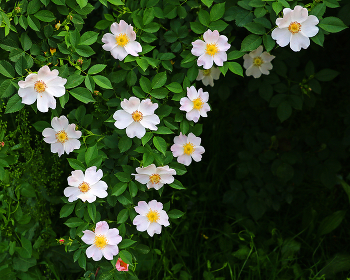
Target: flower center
<point>39,86</point>
<point>188,148</point>
<point>137,116</point>
<point>61,136</point>
<point>123,264</point>
<point>122,39</point>
<point>206,72</point>
<point>197,103</point>
<point>154,178</point>
<point>84,187</point>
<point>294,27</point>
<point>152,216</point>
<point>211,49</point>
<point>258,61</point>
<point>100,241</point>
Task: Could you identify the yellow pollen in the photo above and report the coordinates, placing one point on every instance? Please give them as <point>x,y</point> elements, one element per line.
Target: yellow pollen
<point>152,216</point>
<point>61,136</point>
<point>211,49</point>
<point>258,61</point>
<point>206,72</point>
<point>197,103</point>
<point>122,39</point>
<point>84,187</point>
<point>294,27</point>
<point>100,241</point>
<point>39,86</point>
<point>188,148</point>
<point>137,116</point>
<point>154,178</point>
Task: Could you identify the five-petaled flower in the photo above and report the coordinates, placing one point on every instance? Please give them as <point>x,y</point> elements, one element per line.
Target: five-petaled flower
<point>151,217</point>
<point>155,177</point>
<point>121,266</point>
<point>208,76</point>
<point>195,104</point>
<point>122,41</point>
<point>136,116</point>
<point>86,187</point>
<point>43,88</point>
<point>187,148</point>
<point>295,28</point>
<point>103,241</point>
<point>212,49</point>
<point>257,62</point>
<point>63,137</point>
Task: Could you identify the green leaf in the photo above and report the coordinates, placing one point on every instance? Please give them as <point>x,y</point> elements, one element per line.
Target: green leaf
<point>33,6</point>
<point>160,144</point>
<point>331,222</point>
<point>92,211</point>
<point>74,222</point>
<point>175,87</point>
<point>21,65</point>
<point>82,3</point>
<point>217,11</point>
<point>234,55</point>
<point>332,24</point>
<point>177,185</point>
<point>208,3</point>
<point>145,84</point>
<point>124,144</point>
<point>146,138</point>
<point>218,25</point>
<point>204,17</point>
<point>119,189</point>
<point>159,80</point>
<point>82,261</point>
<point>22,264</point>
<point>41,125</point>
<point>88,38</point>
<point>277,7</point>
<point>250,43</point>
<point>235,68</point>
<point>126,256</point>
<point>143,63</point>
<point>45,16</point>
<point>76,164</point>
<point>255,28</point>
<point>74,81</point>
<point>122,216</point>
<point>284,111</point>
<point>159,93</point>
<point>269,43</point>
<point>26,42</point>
<point>6,69</point>
<point>7,88</point>
<point>91,154</point>
<point>33,23</point>
<point>84,50</point>
<point>197,27</point>
<point>116,2</point>
<point>67,209</point>
<point>163,130</point>
<point>102,81</point>
<point>148,16</point>
<point>125,243</point>
<point>14,104</point>
<point>326,75</point>
<point>175,214</point>
<point>82,94</point>
<point>97,68</point>
<point>27,246</point>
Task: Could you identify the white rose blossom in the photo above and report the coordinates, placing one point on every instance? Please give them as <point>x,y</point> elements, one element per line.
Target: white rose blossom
<point>62,136</point>
<point>86,186</point>
<point>151,217</point>
<point>295,28</point>
<point>43,88</point>
<point>212,49</point>
<point>257,62</point>
<point>122,41</point>
<point>136,116</point>
<point>195,104</point>
<point>155,177</point>
<point>187,148</point>
<point>208,76</point>
<point>104,241</point>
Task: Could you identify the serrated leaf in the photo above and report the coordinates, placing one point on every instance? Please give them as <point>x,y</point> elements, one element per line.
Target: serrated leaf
<point>66,210</point>
<point>160,144</point>
<point>14,104</point>
<point>6,69</point>
<point>45,16</point>
<point>332,24</point>
<point>97,68</point>
<point>102,81</point>
<point>250,43</point>
<point>159,80</point>
<point>41,125</point>
<point>82,94</point>
<point>175,214</point>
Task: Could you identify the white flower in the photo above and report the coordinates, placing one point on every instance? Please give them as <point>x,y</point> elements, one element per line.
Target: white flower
<point>104,242</point>
<point>185,148</point>
<point>155,177</point>
<point>152,217</point>
<point>63,137</point>
<point>122,41</point>
<point>208,76</point>
<point>86,187</point>
<point>295,28</point>
<point>43,87</point>
<point>257,62</point>
<point>213,49</point>
<point>136,116</point>
<point>196,104</point>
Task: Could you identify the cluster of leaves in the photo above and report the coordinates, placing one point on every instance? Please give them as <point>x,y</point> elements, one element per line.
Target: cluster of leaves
<point>268,157</point>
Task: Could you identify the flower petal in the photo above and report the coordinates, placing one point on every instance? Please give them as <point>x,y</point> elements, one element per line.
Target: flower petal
<point>130,105</point>
<point>113,236</point>
<point>29,95</point>
<point>123,119</point>
<point>142,208</point>
<point>197,153</point>
<point>109,40</point>
<point>72,193</point>
<point>220,58</point>
<point>45,101</point>
<point>184,159</point>
<point>60,123</point>
<point>186,104</point>
<point>72,132</point>
<point>163,218</point>
<point>148,170</point>
<point>177,150</point>
<point>92,176</point>
<point>147,108</point>
<point>196,141</point>
<point>94,253</point>
<point>198,47</point>
<point>88,237</point>
<point>282,36</point>
<point>99,189</point>
<point>167,178</point>
<point>206,61</point>
<point>299,14</point>
<point>308,27</point>
<point>135,129</point>
<point>192,93</point>
<point>29,81</point>
<point>222,43</point>
<point>102,228</point>
<point>109,251</point>
<point>142,178</point>
<point>299,41</point>
<point>71,145</point>
<point>150,122</point>
<point>141,223</point>
<point>211,37</point>
<point>133,48</point>
<point>155,205</point>
<point>76,178</point>
<point>253,71</point>
<point>56,91</point>
<point>119,52</point>
<point>154,228</point>
<point>181,139</point>
<point>57,148</point>
<point>193,115</point>
<point>203,95</point>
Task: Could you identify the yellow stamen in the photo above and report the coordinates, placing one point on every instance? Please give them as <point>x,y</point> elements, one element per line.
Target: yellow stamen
<point>61,136</point>
<point>294,27</point>
<point>100,241</point>
<point>52,51</point>
<point>152,216</point>
<point>122,39</point>
<point>211,49</point>
<point>206,72</point>
<point>154,178</point>
<point>137,116</point>
<point>39,86</point>
<point>188,148</point>
<point>258,61</point>
<point>198,103</point>
<point>84,187</point>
